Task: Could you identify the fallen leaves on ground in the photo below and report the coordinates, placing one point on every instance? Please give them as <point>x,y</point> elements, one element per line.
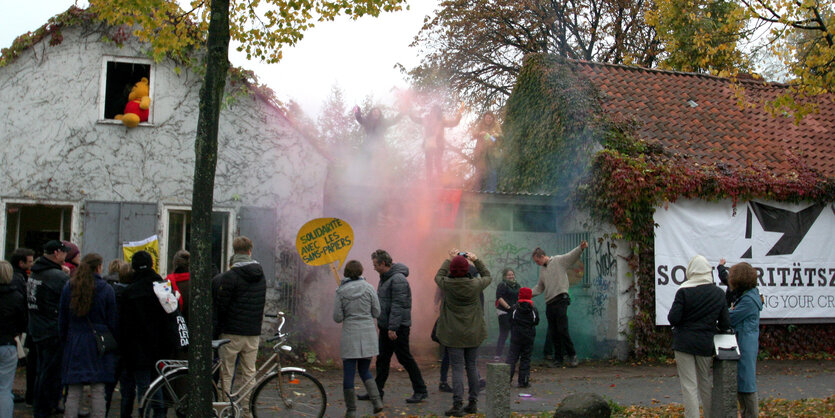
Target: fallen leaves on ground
<point>776,408</point>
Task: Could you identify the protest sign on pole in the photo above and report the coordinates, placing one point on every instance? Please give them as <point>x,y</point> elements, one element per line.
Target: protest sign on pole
<point>325,241</point>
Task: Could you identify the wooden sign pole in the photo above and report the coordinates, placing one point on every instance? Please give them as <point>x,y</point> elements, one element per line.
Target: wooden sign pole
<point>335,273</point>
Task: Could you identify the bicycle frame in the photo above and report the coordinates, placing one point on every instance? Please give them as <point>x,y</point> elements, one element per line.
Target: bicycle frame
<point>267,369</point>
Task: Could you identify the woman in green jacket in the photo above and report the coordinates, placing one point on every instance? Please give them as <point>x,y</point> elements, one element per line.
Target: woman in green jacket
<point>461,326</point>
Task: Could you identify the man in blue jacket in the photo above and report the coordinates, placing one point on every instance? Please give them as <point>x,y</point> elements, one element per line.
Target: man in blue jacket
<point>394,324</point>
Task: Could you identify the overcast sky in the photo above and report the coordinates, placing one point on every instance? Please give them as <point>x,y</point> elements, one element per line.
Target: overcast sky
<point>358,55</point>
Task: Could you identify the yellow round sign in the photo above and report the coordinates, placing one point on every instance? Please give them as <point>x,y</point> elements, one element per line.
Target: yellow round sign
<point>324,240</point>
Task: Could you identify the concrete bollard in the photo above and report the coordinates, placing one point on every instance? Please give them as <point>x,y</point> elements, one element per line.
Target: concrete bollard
<point>723,398</point>
<point>498,390</point>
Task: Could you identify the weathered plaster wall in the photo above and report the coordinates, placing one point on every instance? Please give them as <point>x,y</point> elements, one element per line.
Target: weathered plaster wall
<point>57,149</point>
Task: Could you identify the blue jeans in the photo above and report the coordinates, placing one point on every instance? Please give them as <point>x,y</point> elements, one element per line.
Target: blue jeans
<point>8,365</point>
<point>350,367</point>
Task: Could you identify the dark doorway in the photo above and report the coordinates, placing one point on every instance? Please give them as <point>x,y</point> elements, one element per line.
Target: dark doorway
<point>31,226</point>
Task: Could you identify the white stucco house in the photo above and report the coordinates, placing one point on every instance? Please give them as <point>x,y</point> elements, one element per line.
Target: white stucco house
<point>70,171</point>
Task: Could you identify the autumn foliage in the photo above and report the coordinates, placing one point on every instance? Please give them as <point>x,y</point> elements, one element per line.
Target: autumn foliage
<point>629,179</point>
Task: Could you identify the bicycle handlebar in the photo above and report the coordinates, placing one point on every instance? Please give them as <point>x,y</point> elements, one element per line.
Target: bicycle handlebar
<point>278,333</point>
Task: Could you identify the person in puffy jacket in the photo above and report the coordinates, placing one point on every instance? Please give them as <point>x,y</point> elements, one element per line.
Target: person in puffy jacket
<point>355,307</point>
<point>698,307</point>
<point>87,303</point>
<point>524,317</point>
<point>239,296</point>
<point>745,320</point>
<point>394,324</point>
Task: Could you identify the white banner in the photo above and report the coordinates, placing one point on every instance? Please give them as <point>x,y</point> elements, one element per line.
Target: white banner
<point>790,246</point>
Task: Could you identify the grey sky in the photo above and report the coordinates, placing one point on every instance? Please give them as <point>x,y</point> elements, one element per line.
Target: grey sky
<point>358,55</point>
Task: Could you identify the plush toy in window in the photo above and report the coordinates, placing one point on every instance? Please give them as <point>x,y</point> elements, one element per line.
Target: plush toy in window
<point>138,103</point>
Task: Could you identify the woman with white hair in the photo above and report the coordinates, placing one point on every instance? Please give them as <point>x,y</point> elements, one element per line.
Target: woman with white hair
<point>698,307</point>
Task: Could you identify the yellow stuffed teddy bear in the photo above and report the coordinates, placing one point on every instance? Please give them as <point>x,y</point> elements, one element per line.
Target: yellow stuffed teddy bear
<point>138,104</point>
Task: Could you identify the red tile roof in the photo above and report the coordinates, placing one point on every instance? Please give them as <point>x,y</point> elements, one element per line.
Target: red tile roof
<point>698,115</point>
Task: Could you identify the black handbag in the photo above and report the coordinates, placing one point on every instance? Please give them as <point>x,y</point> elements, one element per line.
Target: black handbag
<point>105,342</point>
<point>434,335</point>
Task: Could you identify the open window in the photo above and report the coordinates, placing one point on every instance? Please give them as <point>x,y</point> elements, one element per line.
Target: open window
<point>118,77</point>
<point>32,225</point>
<point>178,231</point>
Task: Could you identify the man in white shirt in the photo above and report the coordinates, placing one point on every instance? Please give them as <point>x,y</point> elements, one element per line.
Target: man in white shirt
<point>553,282</point>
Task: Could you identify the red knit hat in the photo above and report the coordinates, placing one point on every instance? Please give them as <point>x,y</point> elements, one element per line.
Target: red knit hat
<point>72,250</point>
<point>525,293</point>
<point>459,266</point>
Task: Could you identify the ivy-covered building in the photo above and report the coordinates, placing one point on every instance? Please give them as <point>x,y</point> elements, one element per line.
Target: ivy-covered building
<point>71,171</point>
<point>682,163</point>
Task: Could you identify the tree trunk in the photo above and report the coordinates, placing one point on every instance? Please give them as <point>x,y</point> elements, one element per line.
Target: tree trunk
<point>205,148</point>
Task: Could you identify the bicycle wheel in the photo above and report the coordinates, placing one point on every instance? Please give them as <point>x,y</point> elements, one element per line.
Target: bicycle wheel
<point>166,398</point>
<point>303,396</point>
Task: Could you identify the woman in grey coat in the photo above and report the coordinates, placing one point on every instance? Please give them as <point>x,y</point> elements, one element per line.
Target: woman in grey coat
<point>356,306</point>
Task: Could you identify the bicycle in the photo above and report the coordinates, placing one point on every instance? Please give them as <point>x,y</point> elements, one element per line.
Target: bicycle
<point>274,391</point>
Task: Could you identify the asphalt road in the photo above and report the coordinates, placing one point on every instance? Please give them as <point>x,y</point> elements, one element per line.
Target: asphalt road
<point>626,384</point>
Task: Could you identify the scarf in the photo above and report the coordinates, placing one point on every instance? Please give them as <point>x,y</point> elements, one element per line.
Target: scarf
<point>511,284</point>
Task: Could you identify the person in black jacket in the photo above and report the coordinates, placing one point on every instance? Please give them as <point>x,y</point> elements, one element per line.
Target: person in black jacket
<point>507,293</point>
<point>44,295</point>
<point>239,299</point>
<point>22,260</point>
<point>13,316</point>
<point>395,324</point>
<point>724,273</point>
<point>524,317</point>
<point>698,307</point>
<point>143,323</point>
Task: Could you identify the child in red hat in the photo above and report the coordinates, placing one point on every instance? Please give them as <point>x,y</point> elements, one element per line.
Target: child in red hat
<point>524,319</point>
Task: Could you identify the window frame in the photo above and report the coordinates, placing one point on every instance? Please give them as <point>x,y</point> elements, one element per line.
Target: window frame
<point>75,218</point>
<point>165,222</point>
<point>103,87</point>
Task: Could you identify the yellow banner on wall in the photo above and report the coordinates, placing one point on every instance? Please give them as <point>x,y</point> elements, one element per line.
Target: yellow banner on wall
<point>149,245</point>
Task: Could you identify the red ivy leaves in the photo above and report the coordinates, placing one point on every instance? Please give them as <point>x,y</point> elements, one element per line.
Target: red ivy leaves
<point>630,178</point>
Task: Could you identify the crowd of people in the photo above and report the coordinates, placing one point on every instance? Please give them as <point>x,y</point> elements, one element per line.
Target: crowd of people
<point>81,328</point>
<point>460,328</point>
<point>699,312</point>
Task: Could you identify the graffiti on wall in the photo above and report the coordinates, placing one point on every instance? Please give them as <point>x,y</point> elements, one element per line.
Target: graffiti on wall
<point>602,284</point>
<point>497,250</point>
